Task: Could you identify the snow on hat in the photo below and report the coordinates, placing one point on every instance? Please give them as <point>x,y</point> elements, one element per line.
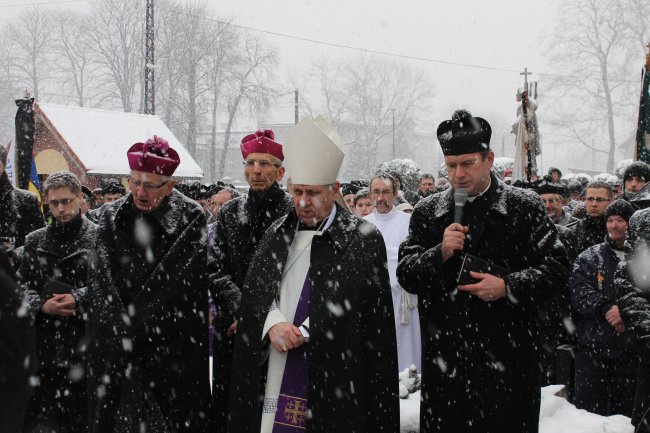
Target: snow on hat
<point>545,187</point>
<point>261,142</point>
<point>153,156</point>
<point>353,186</point>
<point>464,134</point>
<point>639,169</point>
<point>314,152</point>
<point>555,170</point>
<point>621,208</point>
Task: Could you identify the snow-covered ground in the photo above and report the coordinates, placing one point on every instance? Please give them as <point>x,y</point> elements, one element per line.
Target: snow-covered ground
<point>556,416</point>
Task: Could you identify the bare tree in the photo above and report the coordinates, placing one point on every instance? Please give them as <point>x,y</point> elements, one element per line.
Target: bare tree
<point>117,35</point>
<point>248,85</point>
<point>29,49</point>
<point>77,68</point>
<point>590,45</point>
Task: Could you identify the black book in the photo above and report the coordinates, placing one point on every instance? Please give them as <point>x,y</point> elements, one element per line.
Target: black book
<point>473,263</point>
<point>53,286</point>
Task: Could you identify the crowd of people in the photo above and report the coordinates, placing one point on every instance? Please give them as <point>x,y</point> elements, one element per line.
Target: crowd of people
<point>307,297</point>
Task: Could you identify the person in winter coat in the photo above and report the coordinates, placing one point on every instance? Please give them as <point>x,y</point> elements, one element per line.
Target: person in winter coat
<point>605,360</point>
<point>148,305</point>
<point>20,214</point>
<point>480,368</point>
<point>240,225</point>
<point>17,350</point>
<point>591,229</point>
<point>315,347</point>
<point>633,291</point>
<point>54,276</point>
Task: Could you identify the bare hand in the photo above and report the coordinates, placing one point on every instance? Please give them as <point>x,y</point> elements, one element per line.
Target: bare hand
<point>613,317</point>
<point>232,329</point>
<point>489,288</point>
<point>285,336</point>
<point>453,239</point>
<point>60,305</point>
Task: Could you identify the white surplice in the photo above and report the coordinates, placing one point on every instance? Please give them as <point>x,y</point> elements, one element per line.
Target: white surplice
<point>394,227</point>
<point>293,280</point>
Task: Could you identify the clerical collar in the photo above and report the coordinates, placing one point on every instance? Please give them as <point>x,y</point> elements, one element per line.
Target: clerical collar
<point>471,199</point>
<point>321,226</point>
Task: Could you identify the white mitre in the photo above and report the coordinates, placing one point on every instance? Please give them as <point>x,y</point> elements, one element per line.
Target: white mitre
<point>313,152</point>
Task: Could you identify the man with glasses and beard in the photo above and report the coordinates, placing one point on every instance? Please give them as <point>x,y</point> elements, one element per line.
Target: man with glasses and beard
<point>148,305</point>
<point>480,369</point>
<point>240,224</point>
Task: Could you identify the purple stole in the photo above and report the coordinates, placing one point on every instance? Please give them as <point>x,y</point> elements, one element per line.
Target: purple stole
<point>291,415</point>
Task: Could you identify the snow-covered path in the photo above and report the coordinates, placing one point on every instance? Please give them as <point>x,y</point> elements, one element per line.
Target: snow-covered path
<point>556,416</point>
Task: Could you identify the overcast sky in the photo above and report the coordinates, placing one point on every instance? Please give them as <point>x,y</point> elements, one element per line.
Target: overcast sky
<point>506,35</point>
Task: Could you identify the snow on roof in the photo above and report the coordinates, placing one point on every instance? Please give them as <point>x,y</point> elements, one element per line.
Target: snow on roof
<point>101,138</point>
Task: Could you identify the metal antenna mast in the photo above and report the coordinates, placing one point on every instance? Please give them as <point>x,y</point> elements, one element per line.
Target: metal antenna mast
<point>149,63</point>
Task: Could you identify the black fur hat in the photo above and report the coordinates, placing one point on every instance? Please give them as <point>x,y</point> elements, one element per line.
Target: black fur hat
<point>464,134</point>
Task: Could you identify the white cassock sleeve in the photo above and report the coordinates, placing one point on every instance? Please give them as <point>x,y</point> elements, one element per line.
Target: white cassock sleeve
<point>274,317</point>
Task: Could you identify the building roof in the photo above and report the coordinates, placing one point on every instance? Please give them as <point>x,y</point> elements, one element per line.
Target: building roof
<point>101,138</point>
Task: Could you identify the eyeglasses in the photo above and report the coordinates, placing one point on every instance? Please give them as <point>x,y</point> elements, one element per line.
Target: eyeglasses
<point>597,199</point>
<point>264,164</point>
<point>135,184</point>
<point>63,201</point>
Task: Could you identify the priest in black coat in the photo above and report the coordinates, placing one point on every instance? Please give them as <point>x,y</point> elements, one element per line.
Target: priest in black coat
<point>148,302</point>
<point>315,348</point>
<point>480,370</point>
<point>240,225</point>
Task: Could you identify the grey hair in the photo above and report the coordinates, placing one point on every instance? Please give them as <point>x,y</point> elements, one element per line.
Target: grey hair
<point>62,179</point>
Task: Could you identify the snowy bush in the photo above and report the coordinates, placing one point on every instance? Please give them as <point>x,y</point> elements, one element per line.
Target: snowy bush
<point>406,168</point>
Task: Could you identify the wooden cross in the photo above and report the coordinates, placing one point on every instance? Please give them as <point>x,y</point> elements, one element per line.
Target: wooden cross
<point>526,74</point>
<point>647,58</point>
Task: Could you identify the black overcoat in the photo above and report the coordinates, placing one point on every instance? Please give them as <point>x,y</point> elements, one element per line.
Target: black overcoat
<point>64,256</point>
<point>480,359</point>
<point>20,213</point>
<point>353,384</point>
<point>157,344</point>
<point>240,225</point>
<point>634,306</point>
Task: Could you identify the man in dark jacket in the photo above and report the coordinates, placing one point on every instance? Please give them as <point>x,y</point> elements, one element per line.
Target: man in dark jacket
<point>591,229</point>
<point>148,305</point>
<point>480,365</point>
<point>20,213</point>
<point>315,346</point>
<point>17,350</point>
<point>605,361</point>
<point>240,225</point>
<point>54,275</point>
<point>635,177</point>
<point>633,290</point>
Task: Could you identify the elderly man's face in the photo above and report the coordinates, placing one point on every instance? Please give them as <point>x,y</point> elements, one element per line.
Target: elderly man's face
<point>314,203</point>
<point>470,171</point>
<point>262,170</point>
<point>149,190</point>
<point>553,205</point>
<point>349,200</point>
